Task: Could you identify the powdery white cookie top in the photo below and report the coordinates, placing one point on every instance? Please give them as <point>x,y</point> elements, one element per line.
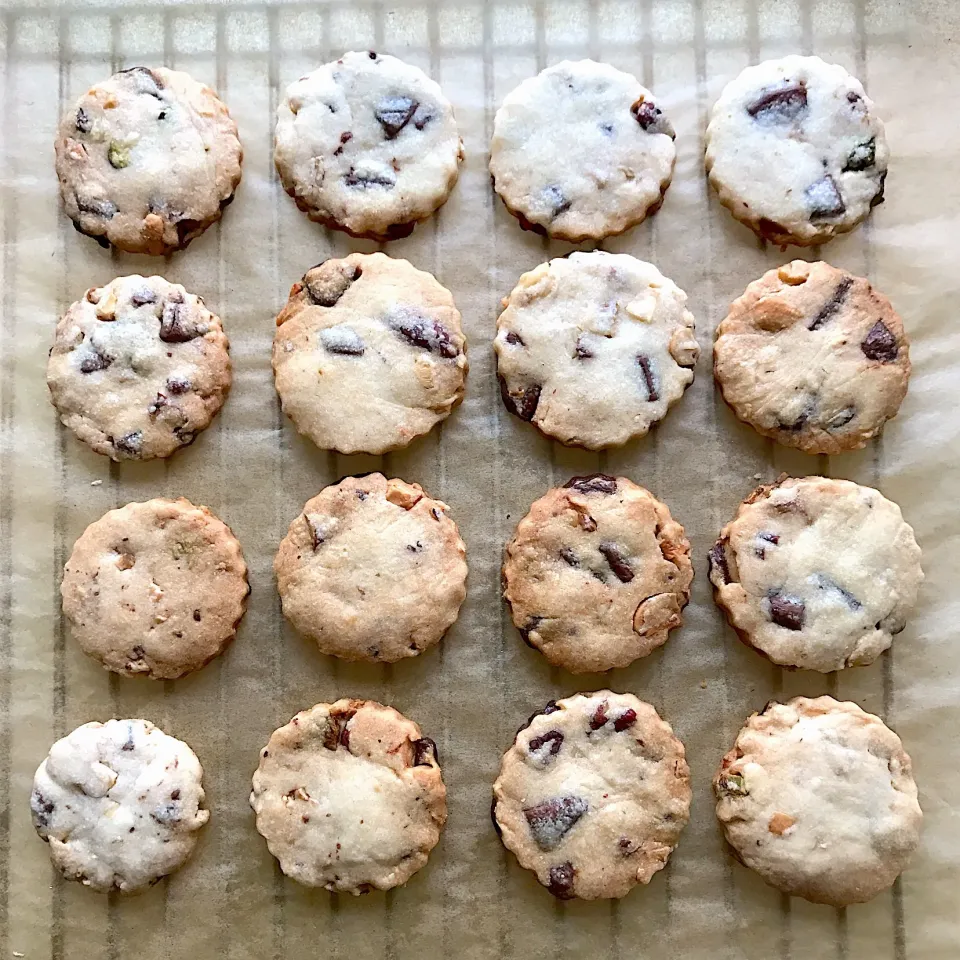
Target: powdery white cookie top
<point>593,348</point>
<point>593,795</point>
<point>368,144</point>
<point>581,151</point>
<point>795,150</point>
<point>349,796</point>
<point>120,804</point>
<point>818,797</point>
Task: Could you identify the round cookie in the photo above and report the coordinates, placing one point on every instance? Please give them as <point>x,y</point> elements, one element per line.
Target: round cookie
<point>372,569</point>
<point>368,354</point>
<point>367,144</point>
<point>817,573</point>
<point>147,160</point>
<point>120,804</point>
<point>818,797</point>
<point>349,797</point>
<point>593,795</point>
<point>597,574</point>
<point>581,151</point>
<point>138,368</point>
<point>593,348</point>
<point>795,151</point>
<point>813,357</point>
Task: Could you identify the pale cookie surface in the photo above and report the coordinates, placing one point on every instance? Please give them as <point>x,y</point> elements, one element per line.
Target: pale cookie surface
<point>581,151</point>
<point>795,150</point>
<point>593,795</point>
<point>818,797</point>
<point>349,796</point>
<point>147,160</point>
<point>367,144</point>
<point>138,368</point>
<point>813,357</point>
<point>119,803</point>
<point>597,574</point>
<point>155,589</point>
<point>372,569</point>
<point>368,354</point>
<point>594,348</point>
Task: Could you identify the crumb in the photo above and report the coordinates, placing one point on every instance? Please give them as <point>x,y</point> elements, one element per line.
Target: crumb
<point>93,483</point>
<point>703,684</point>
<point>758,476</point>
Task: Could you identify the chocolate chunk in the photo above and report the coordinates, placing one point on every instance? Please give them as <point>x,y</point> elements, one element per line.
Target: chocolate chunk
<point>766,536</point>
<point>187,229</point>
<point>649,378</point>
<point>599,717</point>
<point>364,181</point>
<point>805,416</point>
<point>551,707</point>
<point>342,340</point>
<point>569,557</point>
<point>146,81</point>
<point>41,808</point>
<point>823,199</point>
<point>618,562</point>
<point>593,483</point>
<point>880,344</point>
<point>830,308</point>
<point>345,137</point>
<point>841,419</point>
<point>554,198</point>
<point>561,881</point>
<point>877,198</point>
<point>424,752</point>
<point>424,333</point>
<point>626,720</point>
<point>394,113</point>
<point>824,582</point>
<point>166,815</point>
<point>582,350</point>
<point>493,816</point>
<point>863,155</point>
<point>422,121</point>
<point>175,323</point>
<point>626,846</point>
<point>524,631</point>
<point>131,445</point>
<point>787,611</point>
<point>318,534</point>
<point>779,105</point>
<point>99,208</point>
<point>514,339</point>
<point>196,615</point>
<point>327,282</point>
<point>523,402</point>
<point>178,385</point>
<point>718,560</point>
<point>141,297</point>
<point>552,739</point>
<point>651,118</point>
<point>336,733</point>
<point>553,819</point>
<point>96,361</point>
<point>84,121</point>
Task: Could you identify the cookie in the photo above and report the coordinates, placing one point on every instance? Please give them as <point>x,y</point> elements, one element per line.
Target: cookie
<point>368,354</point>
<point>818,797</point>
<point>120,804</point>
<point>581,151</point>
<point>367,144</point>
<point>795,151</point>
<point>593,348</point>
<point>349,796</point>
<point>155,589</point>
<point>147,160</point>
<point>597,574</point>
<point>813,357</point>
<point>138,368</point>
<point>372,569</point>
<point>593,795</point>
<point>817,573</point>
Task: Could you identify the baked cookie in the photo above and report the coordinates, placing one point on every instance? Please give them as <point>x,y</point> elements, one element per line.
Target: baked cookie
<point>593,795</point>
<point>597,573</point>
<point>147,160</point>
<point>120,804</point>
<point>818,797</point>
<point>813,357</point>
<point>593,348</point>
<point>817,573</point>
<point>138,368</point>
<point>368,145</point>
<point>349,797</point>
<point>581,151</point>
<point>368,354</point>
<point>795,151</point>
<point>155,589</point>
<point>372,569</point>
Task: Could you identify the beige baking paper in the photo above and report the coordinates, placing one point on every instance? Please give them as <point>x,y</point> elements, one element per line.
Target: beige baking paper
<point>472,692</point>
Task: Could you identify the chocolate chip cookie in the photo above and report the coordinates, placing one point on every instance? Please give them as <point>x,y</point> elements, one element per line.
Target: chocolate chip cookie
<point>367,144</point>
<point>120,804</point>
<point>372,569</point>
<point>795,150</point>
<point>368,354</point>
<point>818,797</point>
<point>813,357</point>
<point>138,368</point>
<point>593,348</point>
<point>593,795</point>
<point>147,160</point>
<point>582,151</point>
<point>349,796</point>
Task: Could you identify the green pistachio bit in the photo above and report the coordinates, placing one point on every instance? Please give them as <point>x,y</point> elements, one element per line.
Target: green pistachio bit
<point>732,784</point>
<point>119,155</point>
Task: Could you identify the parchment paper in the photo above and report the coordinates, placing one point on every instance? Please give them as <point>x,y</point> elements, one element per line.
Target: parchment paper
<point>473,691</point>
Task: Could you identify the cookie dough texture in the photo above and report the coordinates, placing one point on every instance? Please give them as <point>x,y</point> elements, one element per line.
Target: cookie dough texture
<point>367,144</point>
<point>795,151</point>
<point>597,574</point>
<point>581,151</point>
<point>372,569</point>
<point>593,795</point>
<point>120,804</point>
<point>368,354</point>
<point>818,797</point>
<point>593,348</point>
<point>155,589</point>
<point>813,357</point>
<point>349,796</point>
<point>138,368</point>
<point>147,160</point>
